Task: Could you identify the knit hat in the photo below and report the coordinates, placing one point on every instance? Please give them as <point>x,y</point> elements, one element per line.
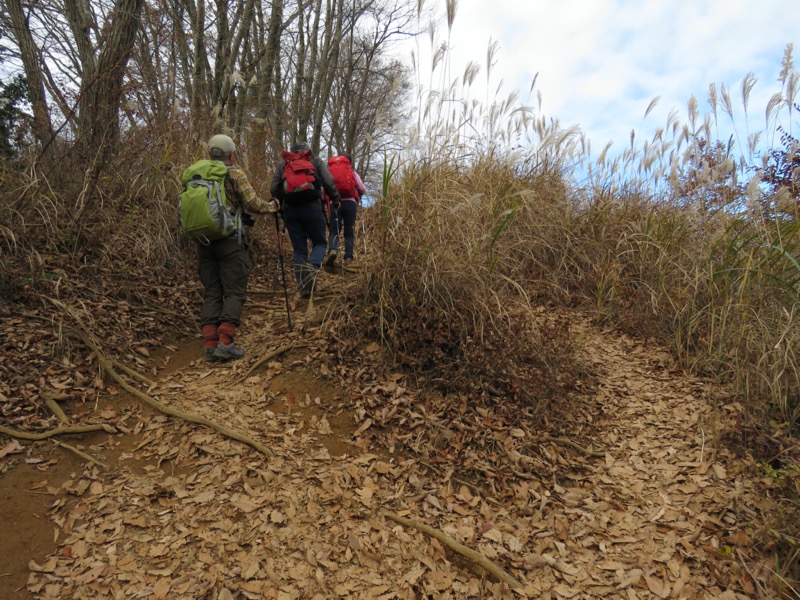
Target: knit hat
<point>222,142</point>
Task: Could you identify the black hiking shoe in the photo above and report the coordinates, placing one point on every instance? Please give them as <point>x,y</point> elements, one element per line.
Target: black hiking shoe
<point>208,355</point>
<point>227,352</point>
<point>331,258</point>
<point>307,287</point>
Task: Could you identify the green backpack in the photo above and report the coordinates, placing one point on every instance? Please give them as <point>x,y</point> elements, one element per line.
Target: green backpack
<point>203,211</point>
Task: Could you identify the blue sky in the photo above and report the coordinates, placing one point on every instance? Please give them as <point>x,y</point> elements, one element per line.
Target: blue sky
<point>600,63</point>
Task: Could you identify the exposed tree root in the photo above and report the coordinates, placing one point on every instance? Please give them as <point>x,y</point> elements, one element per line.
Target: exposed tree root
<point>169,313</point>
<point>469,553</point>
<point>131,373</point>
<point>56,409</point>
<point>538,560</point>
<point>82,454</point>
<point>252,305</point>
<point>108,367</point>
<point>264,359</point>
<point>37,437</point>
<point>566,442</point>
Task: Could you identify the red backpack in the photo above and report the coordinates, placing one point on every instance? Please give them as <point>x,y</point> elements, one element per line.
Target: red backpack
<point>298,172</point>
<point>344,178</point>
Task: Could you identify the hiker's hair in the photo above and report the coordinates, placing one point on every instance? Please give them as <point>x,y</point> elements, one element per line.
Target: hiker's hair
<point>347,156</point>
<point>299,146</point>
<point>217,154</point>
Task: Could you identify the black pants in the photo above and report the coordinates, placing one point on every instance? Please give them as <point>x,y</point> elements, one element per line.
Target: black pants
<point>224,270</point>
<point>305,222</point>
<point>343,221</point>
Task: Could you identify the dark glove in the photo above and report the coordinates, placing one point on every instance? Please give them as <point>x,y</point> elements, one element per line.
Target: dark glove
<point>248,220</point>
<point>336,204</point>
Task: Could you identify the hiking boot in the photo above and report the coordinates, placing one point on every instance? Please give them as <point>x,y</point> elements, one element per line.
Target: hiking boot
<point>348,261</point>
<point>227,352</point>
<point>307,288</point>
<point>331,258</point>
<point>208,355</point>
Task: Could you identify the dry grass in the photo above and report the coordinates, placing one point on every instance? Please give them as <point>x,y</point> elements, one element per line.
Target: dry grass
<point>722,290</point>
<point>130,213</point>
<point>125,225</point>
<point>456,254</point>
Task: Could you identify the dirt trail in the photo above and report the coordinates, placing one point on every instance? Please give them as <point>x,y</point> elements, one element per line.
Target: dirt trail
<point>669,512</point>
<point>183,512</point>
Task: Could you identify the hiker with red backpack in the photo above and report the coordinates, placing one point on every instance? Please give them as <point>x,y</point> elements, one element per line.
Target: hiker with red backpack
<point>298,182</point>
<point>351,189</point>
<point>222,244</point>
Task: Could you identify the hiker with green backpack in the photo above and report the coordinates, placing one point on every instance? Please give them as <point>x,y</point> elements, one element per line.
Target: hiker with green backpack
<point>213,211</point>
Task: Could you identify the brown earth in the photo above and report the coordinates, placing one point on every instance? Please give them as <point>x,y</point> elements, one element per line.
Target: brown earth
<point>636,498</point>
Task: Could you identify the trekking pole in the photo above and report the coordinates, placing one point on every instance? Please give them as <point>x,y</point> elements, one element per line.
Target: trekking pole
<point>283,270</point>
<point>364,233</point>
<point>331,232</point>
<point>337,238</point>
<point>275,277</point>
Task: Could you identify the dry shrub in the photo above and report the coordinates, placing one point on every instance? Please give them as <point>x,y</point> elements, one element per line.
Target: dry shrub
<point>32,215</point>
<point>123,223</point>
<point>722,290</point>
<point>141,195</point>
<point>454,254</point>
<point>133,196</point>
<point>634,260</point>
<point>745,316</point>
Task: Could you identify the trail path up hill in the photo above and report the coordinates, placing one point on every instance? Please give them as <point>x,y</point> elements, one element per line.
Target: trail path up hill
<point>659,508</point>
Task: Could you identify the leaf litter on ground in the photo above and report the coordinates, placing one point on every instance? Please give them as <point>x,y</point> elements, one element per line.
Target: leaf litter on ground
<point>185,512</point>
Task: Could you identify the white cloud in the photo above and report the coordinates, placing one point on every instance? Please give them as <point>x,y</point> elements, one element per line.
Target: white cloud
<point>601,62</point>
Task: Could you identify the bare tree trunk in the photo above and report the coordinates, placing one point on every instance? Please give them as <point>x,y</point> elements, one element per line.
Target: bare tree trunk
<point>280,110</point>
<point>42,124</point>
<point>300,74</point>
<point>98,130</point>
<point>81,22</point>
<point>270,109</point>
<point>327,67</point>
<point>180,53</point>
<point>304,91</point>
<point>241,63</point>
<point>199,99</point>
<point>101,95</point>
<point>151,77</point>
<point>221,85</point>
